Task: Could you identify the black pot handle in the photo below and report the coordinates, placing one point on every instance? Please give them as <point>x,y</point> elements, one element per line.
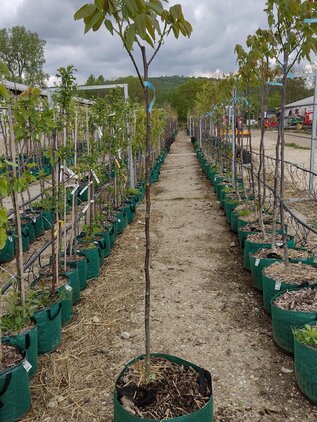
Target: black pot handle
<point>111,231</point>
<point>27,341</point>
<point>99,251</point>
<point>5,386</point>
<point>102,244</point>
<point>49,313</point>
<point>132,208</point>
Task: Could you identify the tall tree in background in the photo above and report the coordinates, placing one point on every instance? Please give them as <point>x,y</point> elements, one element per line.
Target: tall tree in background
<point>23,53</point>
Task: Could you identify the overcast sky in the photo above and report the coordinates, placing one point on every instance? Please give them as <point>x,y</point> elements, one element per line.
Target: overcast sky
<point>217,26</point>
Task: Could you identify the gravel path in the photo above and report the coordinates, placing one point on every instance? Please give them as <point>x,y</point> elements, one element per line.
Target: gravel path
<point>204,309</point>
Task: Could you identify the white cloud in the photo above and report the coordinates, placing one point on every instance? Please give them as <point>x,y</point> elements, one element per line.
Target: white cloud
<point>217,26</point>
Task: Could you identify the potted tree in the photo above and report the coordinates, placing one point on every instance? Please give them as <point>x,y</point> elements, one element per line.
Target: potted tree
<point>137,23</point>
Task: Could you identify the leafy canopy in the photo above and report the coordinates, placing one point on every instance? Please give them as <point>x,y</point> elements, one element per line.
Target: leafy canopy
<point>135,20</point>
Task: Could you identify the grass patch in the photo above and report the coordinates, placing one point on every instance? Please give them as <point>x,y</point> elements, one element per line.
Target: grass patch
<point>295,146</point>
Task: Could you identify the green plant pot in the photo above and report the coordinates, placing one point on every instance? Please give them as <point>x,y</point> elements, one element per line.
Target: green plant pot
<point>305,361</point>
<point>73,281</point>
<point>25,238</point>
<point>82,271</point>
<point>67,309</point>
<point>120,223</point>
<point>49,327</point>
<point>28,222</point>
<point>257,266</point>
<point>234,222</point>
<point>28,342</point>
<point>107,244</point>
<point>229,206</point>
<point>93,261</point>
<point>284,320</point>
<point>8,252</point>
<point>101,244</point>
<point>38,225</point>
<point>113,234</point>
<point>251,247</point>
<point>47,218</point>
<point>270,288</point>
<point>15,396</point>
<point>205,414</point>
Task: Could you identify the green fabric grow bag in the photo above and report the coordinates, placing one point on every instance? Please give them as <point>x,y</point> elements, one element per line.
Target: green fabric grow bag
<point>27,341</point>
<point>229,207</point>
<point>120,224</point>
<point>283,321</point>
<point>113,234</point>
<point>73,281</point>
<point>101,244</point>
<point>251,247</point>
<point>49,327</point>
<point>234,222</point>
<point>305,361</point>
<point>257,265</point>
<point>67,311</point>
<point>25,238</point>
<point>47,217</point>
<point>8,252</point>
<point>28,222</point>
<point>107,244</point>
<point>205,414</point>
<point>93,261</point>
<point>38,225</point>
<point>270,288</point>
<point>130,210</point>
<point>15,396</point>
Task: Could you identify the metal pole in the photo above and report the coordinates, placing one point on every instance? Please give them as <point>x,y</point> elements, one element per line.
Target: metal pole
<point>313,142</point>
<point>233,137</point>
<point>200,129</point>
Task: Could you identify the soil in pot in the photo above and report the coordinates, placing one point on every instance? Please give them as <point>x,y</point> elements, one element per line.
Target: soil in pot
<point>175,390</point>
<point>290,309</point>
<point>279,277</point>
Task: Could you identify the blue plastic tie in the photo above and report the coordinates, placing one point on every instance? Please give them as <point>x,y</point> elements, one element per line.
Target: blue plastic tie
<point>150,86</point>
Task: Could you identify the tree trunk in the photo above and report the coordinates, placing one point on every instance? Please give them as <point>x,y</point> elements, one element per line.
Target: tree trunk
<point>282,182</point>
<point>147,223</point>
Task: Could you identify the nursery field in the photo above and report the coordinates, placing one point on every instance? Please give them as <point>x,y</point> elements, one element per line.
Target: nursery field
<point>204,309</point>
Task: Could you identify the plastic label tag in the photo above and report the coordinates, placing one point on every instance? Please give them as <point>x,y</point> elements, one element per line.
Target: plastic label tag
<point>68,288</point>
<point>95,176</point>
<point>34,220</point>
<point>74,190</point>
<point>257,262</point>
<point>278,285</point>
<point>119,221</point>
<point>10,239</point>
<point>26,365</point>
<point>279,244</point>
<point>85,209</point>
<point>83,190</point>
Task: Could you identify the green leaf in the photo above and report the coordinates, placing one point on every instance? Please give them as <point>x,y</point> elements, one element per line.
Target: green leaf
<point>85,11</point>
<point>109,26</point>
<point>3,216</point>
<point>4,93</point>
<point>129,36</point>
<point>3,237</point>
<point>93,20</point>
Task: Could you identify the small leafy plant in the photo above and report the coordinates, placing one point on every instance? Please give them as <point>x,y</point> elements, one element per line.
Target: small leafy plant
<point>307,335</point>
<point>18,317</point>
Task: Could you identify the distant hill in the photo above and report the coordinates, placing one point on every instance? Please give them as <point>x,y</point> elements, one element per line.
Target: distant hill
<point>166,86</point>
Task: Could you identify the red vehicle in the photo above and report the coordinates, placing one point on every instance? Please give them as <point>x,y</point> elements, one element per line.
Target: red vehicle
<point>308,118</point>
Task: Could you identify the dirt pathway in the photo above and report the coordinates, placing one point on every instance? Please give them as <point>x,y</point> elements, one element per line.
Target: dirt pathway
<point>204,309</point>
